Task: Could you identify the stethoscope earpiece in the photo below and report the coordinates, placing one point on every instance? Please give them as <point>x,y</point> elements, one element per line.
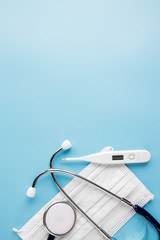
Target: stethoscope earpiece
<point>31,192</point>
<point>66,145</point>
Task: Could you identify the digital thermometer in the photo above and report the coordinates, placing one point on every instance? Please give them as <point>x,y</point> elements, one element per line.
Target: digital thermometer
<point>115,157</point>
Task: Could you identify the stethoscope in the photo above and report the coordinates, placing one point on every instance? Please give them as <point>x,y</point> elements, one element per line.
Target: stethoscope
<point>59,218</point>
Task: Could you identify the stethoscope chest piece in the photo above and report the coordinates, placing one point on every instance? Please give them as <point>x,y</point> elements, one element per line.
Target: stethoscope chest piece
<point>59,218</point>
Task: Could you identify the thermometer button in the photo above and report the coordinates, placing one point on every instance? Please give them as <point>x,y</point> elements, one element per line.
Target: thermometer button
<point>131,156</point>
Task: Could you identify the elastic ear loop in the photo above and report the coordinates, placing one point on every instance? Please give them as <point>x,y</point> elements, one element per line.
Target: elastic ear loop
<point>16,230</point>
<point>147,228</point>
<point>146,237</point>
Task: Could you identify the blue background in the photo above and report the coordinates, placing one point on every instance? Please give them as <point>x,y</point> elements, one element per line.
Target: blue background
<point>88,71</point>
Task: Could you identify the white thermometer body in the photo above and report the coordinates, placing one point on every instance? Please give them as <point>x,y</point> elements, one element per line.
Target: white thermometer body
<point>115,157</point>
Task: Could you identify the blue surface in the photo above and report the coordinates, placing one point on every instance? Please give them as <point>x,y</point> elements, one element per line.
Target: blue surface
<point>88,71</point>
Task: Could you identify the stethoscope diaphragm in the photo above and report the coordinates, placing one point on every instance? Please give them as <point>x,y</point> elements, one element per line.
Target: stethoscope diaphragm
<point>59,218</point>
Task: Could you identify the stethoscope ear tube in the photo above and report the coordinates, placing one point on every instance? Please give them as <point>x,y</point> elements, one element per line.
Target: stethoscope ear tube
<point>148,216</point>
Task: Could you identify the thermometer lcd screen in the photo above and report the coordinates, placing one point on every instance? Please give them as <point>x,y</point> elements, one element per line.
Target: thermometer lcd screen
<point>117,157</point>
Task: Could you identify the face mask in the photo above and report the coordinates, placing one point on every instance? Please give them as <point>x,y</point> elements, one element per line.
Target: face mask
<point>107,212</point>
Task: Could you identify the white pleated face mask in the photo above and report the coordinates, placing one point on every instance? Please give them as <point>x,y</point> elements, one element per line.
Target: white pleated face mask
<point>106,211</point>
